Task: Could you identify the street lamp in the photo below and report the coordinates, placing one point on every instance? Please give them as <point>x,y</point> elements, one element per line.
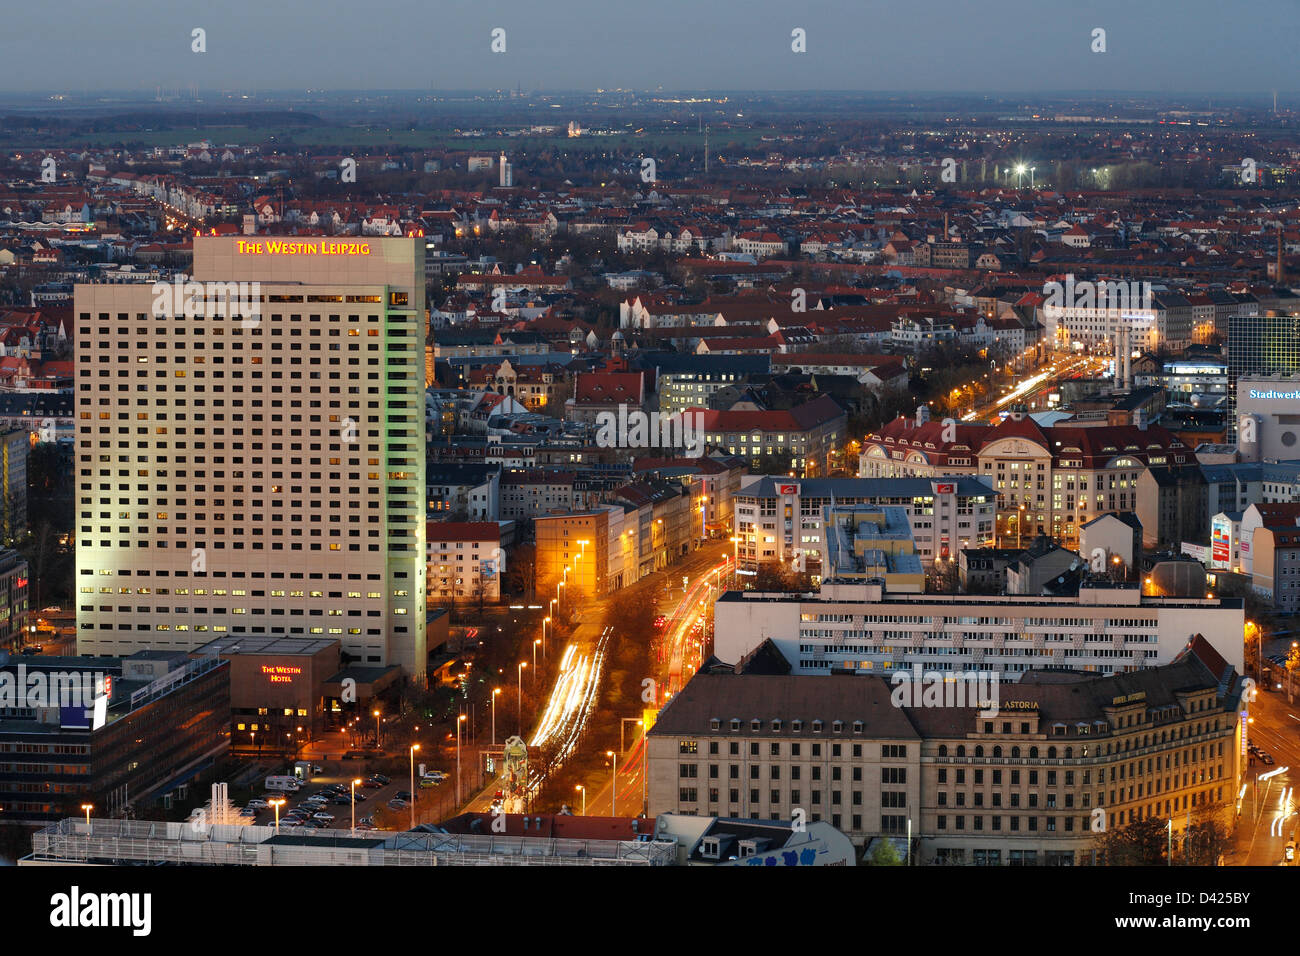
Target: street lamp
<point>545,621</point>
<point>520,704</point>
<point>376,728</point>
<point>353,808</point>
<point>414,748</point>
<point>277,803</point>
<point>495,691</point>
<point>459,720</point>
<point>613,787</point>
<point>87,807</point>
<point>536,641</point>
<point>584,798</point>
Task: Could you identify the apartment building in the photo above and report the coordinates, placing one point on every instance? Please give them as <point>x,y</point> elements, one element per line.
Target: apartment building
<point>259,472</point>
<point>687,381</point>
<point>1020,787</point>
<point>865,629</point>
<point>781,519</point>
<point>574,550</point>
<point>465,561</point>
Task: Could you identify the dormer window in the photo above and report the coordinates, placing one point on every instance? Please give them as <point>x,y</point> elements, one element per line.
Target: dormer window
<point>755,725</point>
<point>796,726</point>
<point>817,726</point>
<point>735,724</point>
<point>715,724</point>
<point>857,726</point>
<point>838,726</point>
<point>776,725</point>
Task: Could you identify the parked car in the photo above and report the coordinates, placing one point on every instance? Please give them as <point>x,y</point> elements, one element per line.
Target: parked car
<point>323,816</point>
<point>381,778</point>
<point>355,755</point>
<point>373,785</point>
<point>396,804</point>
<point>368,821</point>
<point>403,795</point>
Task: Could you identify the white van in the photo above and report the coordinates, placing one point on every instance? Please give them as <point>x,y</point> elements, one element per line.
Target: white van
<point>285,782</point>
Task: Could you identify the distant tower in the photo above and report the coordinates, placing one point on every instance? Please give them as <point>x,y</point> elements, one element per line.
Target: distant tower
<point>507,173</point>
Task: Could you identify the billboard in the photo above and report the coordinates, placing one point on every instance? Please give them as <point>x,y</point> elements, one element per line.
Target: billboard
<point>1221,543</point>
<point>944,489</point>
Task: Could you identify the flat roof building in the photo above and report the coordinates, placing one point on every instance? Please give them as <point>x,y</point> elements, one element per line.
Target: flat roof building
<point>252,460</point>
<point>865,629</point>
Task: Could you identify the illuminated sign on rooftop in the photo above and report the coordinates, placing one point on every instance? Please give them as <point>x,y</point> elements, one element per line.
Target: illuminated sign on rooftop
<point>298,247</point>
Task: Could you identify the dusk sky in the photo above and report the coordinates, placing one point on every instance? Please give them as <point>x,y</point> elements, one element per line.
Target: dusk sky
<point>1193,46</point>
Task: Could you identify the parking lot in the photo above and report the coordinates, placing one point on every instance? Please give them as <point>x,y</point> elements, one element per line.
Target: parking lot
<point>370,799</point>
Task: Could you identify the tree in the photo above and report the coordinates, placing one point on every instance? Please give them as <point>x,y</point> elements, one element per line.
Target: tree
<point>1142,843</point>
<point>521,575</point>
<point>884,853</point>
<point>944,577</point>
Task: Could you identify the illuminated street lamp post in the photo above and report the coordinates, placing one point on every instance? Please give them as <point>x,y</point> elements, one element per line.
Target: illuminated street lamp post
<point>353,808</point>
<point>536,641</point>
<point>613,788</point>
<point>495,691</point>
<point>519,706</point>
<point>414,748</point>
<point>459,720</point>
<point>376,728</point>
<point>584,798</point>
<point>88,807</point>
<point>277,803</point>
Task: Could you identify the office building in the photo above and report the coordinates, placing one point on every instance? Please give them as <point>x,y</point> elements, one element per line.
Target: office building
<point>1261,342</point>
<point>14,446</point>
<point>1020,787</point>
<point>15,598</point>
<point>259,473</point>
<point>165,719</point>
<point>865,629</point>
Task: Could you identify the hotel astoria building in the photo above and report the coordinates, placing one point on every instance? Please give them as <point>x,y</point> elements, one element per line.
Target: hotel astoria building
<point>259,473</point>
<point>1018,788</point>
<point>1048,480</point>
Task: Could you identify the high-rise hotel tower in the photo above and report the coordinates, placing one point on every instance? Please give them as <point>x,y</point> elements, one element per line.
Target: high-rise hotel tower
<point>256,469</point>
